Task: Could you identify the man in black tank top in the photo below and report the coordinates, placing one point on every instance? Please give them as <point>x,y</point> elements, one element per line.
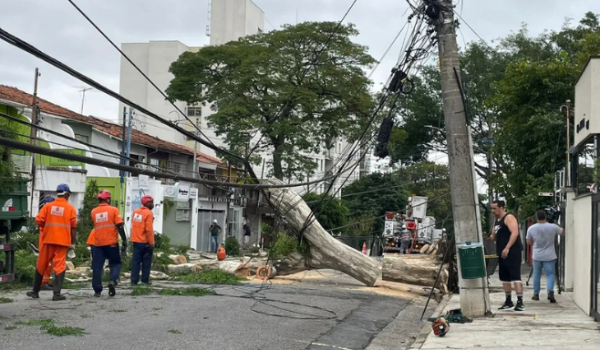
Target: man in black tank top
<point>509,249</point>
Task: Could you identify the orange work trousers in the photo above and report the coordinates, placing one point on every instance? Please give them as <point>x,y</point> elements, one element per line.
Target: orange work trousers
<point>55,254</point>
<point>48,270</point>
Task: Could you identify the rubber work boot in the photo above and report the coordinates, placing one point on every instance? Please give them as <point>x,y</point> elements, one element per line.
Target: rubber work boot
<point>37,285</point>
<point>97,295</point>
<point>535,297</point>
<point>111,288</point>
<point>551,297</point>
<point>58,282</point>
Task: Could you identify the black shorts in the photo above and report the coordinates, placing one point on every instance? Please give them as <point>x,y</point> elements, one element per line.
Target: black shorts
<point>510,268</point>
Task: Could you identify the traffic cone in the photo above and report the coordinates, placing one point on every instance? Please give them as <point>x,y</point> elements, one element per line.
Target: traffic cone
<point>221,254</point>
<point>364,249</point>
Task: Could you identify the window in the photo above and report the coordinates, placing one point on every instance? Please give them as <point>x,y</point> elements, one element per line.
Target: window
<point>194,111</point>
<point>585,163</point>
<point>82,138</point>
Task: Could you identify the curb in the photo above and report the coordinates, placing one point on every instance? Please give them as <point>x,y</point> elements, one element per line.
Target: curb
<point>424,333</point>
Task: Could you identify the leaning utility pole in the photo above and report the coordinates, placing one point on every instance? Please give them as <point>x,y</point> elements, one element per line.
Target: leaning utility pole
<point>473,292</point>
<point>33,134</point>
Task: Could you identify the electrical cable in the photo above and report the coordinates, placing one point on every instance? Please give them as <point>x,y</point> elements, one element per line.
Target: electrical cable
<point>15,41</point>
<point>312,63</point>
<point>140,71</point>
<point>108,152</point>
<point>61,155</point>
<point>312,217</point>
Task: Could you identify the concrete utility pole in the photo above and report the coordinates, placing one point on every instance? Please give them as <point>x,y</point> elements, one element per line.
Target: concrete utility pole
<point>33,134</point>
<point>473,293</point>
<point>196,148</point>
<point>490,175</point>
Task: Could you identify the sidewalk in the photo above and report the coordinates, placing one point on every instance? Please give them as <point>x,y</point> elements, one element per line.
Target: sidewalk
<point>542,326</point>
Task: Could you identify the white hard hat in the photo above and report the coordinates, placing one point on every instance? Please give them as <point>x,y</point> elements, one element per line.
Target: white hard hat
<point>215,221</point>
<point>404,226</point>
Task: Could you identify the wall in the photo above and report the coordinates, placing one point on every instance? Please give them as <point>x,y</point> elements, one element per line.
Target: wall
<point>154,59</point>
<point>587,111</point>
<point>133,195</point>
<point>112,185</point>
<point>179,231</point>
<point>47,179</point>
<point>582,230</point>
<point>232,19</point>
<point>570,248</point>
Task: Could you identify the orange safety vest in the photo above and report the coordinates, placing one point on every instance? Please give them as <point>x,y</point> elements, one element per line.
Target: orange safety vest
<point>91,238</point>
<point>105,219</point>
<point>142,229</point>
<point>56,219</point>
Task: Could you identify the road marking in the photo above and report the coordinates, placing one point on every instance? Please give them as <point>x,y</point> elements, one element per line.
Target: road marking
<point>331,346</point>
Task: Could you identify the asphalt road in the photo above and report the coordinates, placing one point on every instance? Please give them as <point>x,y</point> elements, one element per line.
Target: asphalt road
<point>281,317</point>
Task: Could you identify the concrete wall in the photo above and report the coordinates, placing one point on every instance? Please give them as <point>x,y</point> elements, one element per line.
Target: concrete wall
<point>587,111</point>
<point>232,19</point>
<point>133,195</point>
<point>47,179</point>
<point>570,251</point>
<point>582,257</point>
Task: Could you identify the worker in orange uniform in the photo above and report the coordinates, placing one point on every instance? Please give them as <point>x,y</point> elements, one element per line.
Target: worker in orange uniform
<point>142,236</point>
<point>108,226</point>
<point>58,222</point>
<point>46,279</point>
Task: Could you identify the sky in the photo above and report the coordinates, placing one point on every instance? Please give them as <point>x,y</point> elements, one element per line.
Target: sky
<point>59,30</point>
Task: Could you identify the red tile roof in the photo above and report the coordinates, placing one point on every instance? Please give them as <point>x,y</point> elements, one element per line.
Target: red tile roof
<point>15,95</point>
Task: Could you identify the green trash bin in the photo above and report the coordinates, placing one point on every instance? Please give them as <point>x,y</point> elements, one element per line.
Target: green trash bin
<point>472,263</point>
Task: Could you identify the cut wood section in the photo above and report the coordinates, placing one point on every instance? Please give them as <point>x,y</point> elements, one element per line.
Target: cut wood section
<point>417,269</point>
<point>325,251</point>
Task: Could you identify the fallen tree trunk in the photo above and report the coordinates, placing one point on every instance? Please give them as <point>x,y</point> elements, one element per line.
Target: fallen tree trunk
<point>325,251</point>
<point>415,269</point>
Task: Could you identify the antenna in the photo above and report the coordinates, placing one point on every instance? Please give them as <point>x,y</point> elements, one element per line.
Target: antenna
<point>83,90</point>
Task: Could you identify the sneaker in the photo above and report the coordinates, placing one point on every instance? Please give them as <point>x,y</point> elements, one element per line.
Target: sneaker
<point>551,297</point>
<point>519,306</point>
<point>535,297</point>
<point>508,305</point>
<point>111,288</point>
<point>97,295</point>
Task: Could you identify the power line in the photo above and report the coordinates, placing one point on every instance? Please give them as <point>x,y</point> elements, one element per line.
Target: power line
<point>312,63</point>
<point>138,69</point>
<point>15,41</point>
<point>474,32</point>
<point>108,152</point>
<point>54,153</point>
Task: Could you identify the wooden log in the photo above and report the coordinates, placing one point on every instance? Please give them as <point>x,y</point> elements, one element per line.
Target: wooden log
<point>325,251</point>
<point>183,268</point>
<point>415,269</point>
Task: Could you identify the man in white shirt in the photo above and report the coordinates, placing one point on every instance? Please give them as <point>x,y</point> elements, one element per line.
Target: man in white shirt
<point>542,236</point>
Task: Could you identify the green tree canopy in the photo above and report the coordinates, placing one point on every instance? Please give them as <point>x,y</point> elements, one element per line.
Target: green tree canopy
<point>329,211</point>
<point>373,195</point>
<point>256,84</point>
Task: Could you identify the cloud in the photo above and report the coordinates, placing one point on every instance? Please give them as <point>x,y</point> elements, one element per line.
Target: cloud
<point>59,30</point>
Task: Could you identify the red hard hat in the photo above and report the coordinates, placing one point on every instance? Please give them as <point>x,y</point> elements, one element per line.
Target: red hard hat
<point>104,194</point>
<point>147,198</point>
